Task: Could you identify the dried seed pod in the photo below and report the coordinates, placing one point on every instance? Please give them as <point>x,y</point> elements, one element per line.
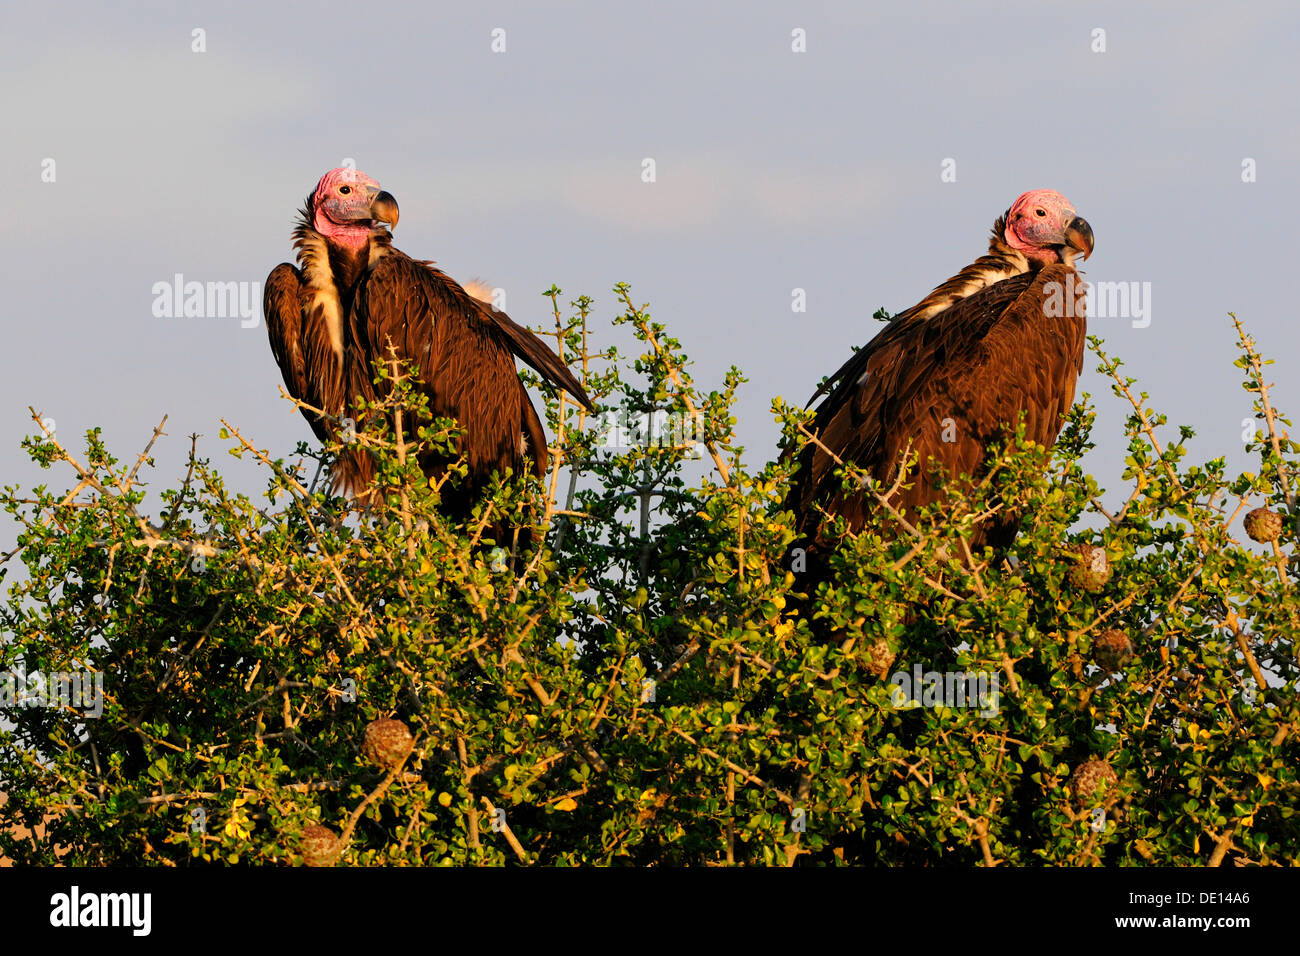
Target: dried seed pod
<point>1112,649</point>
<point>320,845</point>
<point>1263,525</point>
<point>1091,569</point>
<point>880,659</point>
<point>1094,784</point>
<point>387,743</point>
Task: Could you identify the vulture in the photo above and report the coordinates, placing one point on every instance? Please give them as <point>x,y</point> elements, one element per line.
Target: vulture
<point>352,297</point>
<point>951,375</point>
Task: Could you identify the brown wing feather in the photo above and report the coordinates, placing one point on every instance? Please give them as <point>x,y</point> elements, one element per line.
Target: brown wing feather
<point>283,303</point>
<point>1002,262</point>
<point>464,353</point>
<point>979,363</point>
<point>536,354</point>
<point>534,435</point>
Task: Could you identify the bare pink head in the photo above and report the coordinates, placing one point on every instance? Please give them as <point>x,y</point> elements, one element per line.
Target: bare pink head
<point>348,207</point>
<point>1044,226</point>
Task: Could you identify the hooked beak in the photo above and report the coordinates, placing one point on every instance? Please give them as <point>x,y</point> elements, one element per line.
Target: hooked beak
<point>1078,236</point>
<point>383,208</point>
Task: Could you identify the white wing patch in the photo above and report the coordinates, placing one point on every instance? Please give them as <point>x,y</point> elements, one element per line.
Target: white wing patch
<point>976,277</point>
<point>479,290</point>
<point>313,256</point>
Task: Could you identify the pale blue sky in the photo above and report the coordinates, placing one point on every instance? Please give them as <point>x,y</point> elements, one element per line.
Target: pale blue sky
<point>776,170</point>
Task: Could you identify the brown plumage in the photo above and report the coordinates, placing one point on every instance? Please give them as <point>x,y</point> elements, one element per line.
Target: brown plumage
<point>352,297</point>
<point>963,363</point>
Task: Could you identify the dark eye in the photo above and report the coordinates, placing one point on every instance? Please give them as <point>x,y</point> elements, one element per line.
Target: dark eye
<point>344,190</point>
<point>1040,213</point>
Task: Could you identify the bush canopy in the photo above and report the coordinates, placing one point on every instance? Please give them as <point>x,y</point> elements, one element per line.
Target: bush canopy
<point>654,680</point>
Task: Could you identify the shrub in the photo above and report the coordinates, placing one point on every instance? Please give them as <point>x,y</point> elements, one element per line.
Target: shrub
<point>656,681</point>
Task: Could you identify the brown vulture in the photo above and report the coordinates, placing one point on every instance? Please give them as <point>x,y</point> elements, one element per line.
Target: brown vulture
<point>352,296</point>
<point>953,373</point>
